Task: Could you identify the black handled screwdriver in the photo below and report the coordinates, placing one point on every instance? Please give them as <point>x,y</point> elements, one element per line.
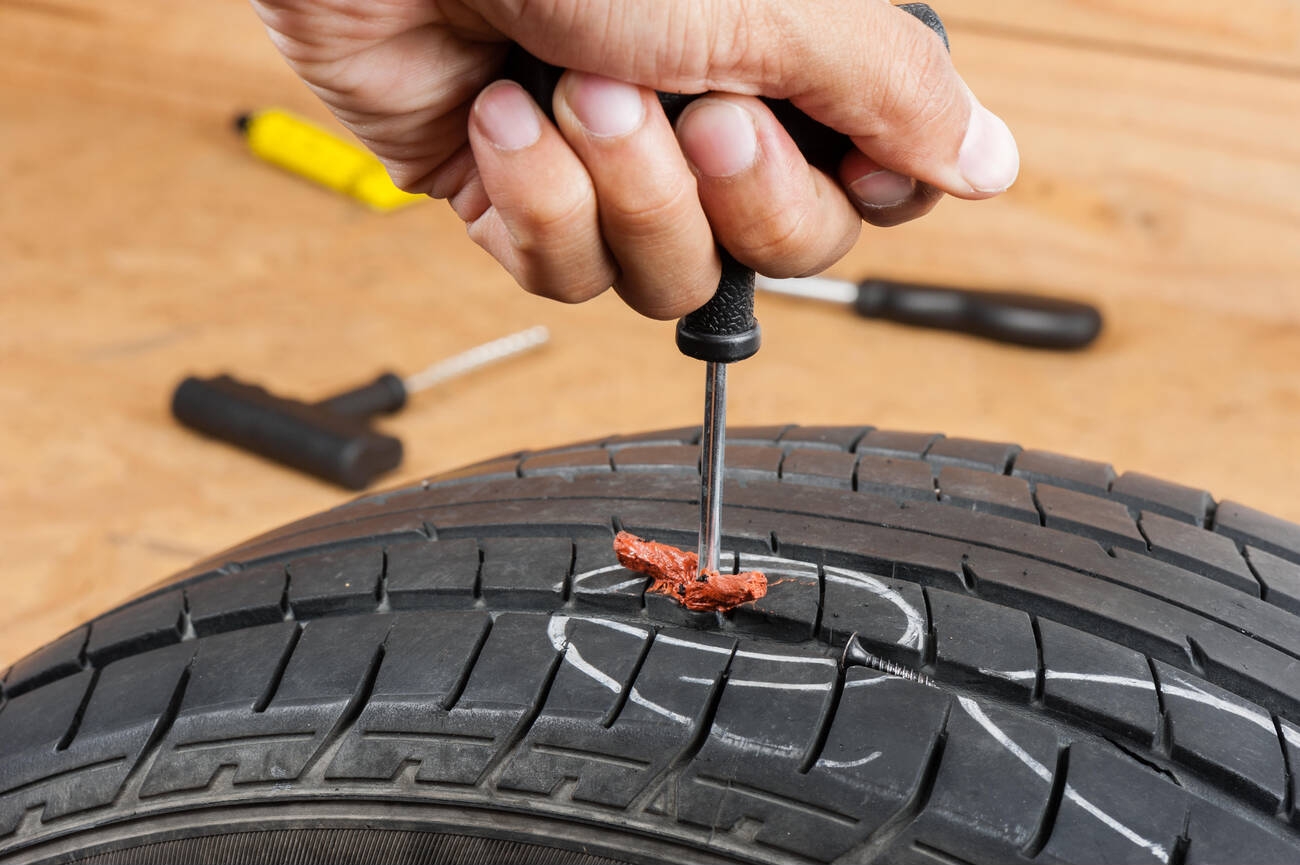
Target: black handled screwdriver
<point>724,330</point>
<point>330,438</point>
<point>1012,317</point>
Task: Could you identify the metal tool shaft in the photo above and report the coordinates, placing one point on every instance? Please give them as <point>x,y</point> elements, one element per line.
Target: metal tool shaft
<point>713,446</point>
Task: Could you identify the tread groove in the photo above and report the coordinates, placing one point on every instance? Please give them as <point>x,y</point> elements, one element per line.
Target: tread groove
<point>458,688</point>
<point>1288,771</point>
<point>621,699</point>
<point>1055,794</point>
<point>1163,741</point>
<point>827,721</point>
<point>1040,669</point>
<point>283,664</point>
<point>80,714</point>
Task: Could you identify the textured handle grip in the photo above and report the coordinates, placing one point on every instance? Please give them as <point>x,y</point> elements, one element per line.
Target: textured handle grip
<point>333,447</point>
<point>724,329</point>
<point>1019,319</point>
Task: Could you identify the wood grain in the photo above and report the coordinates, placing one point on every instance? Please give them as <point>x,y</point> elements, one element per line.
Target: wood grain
<point>140,242</point>
<point>1262,35</point>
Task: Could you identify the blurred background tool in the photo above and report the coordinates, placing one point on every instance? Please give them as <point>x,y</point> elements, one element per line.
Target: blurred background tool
<point>300,146</point>
<point>1004,316</point>
<point>331,438</point>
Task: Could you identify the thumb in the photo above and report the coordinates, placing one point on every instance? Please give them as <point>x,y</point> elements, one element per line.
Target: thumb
<point>888,82</point>
<point>863,67</point>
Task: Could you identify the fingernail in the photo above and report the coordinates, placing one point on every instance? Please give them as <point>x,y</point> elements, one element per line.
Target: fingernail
<point>988,159</point>
<point>507,116</point>
<point>606,108</point>
<point>883,188</point>
<point>718,138</point>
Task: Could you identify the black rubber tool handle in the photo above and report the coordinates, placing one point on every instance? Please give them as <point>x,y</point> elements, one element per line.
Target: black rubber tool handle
<point>1020,319</point>
<point>335,447</point>
<point>385,395</point>
<point>724,329</point>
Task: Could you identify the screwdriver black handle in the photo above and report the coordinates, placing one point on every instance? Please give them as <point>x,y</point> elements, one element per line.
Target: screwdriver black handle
<point>1021,319</point>
<point>724,329</point>
<point>334,447</point>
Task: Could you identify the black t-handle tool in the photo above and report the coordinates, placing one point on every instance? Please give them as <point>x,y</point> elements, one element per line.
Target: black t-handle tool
<point>724,330</point>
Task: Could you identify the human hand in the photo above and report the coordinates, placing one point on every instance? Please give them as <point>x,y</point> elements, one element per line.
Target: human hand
<point>611,193</point>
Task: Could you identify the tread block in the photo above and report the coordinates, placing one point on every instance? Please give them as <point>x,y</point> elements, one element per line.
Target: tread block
<point>1248,526</point>
<point>893,477</point>
<point>492,470</point>
<point>993,783</point>
<point>976,640</point>
<point>31,727</point>
<point>879,744</point>
<point>1198,551</point>
<point>371,531</point>
<point>525,573</point>
<point>1093,678</point>
<point>658,458</point>
<point>1145,493</point>
<point>687,435</point>
<point>900,445</point>
<point>1069,473</point>
<point>242,599</point>
<point>427,660</point>
<point>126,702</point>
<point>767,722</point>
<point>52,661</point>
<point>1219,732</point>
<point>1216,836</point>
<point>219,722</point>
<point>566,463</point>
<point>408,721</point>
<point>1114,810</point>
<point>601,583</point>
<point>38,720</point>
<point>329,582</point>
<point>1106,522</point>
<point>876,756</point>
<point>888,615</point>
<point>569,738</point>
<point>972,454</point>
<point>438,574</point>
<point>987,493</point>
<point>789,609</point>
<point>840,438</point>
<point>1280,578</point>
<point>825,468</point>
<point>755,435</point>
<point>753,462</point>
<point>146,625</point>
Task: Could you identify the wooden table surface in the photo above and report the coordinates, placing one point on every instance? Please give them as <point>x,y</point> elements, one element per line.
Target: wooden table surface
<point>139,242</point>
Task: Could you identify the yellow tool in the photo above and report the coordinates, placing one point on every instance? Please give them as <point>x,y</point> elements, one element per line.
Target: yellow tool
<point>300,146</point>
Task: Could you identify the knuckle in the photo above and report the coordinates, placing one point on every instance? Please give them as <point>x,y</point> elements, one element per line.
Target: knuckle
<point>923,90</point>
<point>781,239</point>
<point>540,223</point>
<point>650,210</point>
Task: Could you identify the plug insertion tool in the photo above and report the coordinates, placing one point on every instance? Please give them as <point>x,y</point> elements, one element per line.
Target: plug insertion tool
<point>330,439</point>
<point>724,330</point>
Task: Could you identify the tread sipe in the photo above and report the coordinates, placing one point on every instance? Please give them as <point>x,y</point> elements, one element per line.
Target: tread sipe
<point>1068,666</point>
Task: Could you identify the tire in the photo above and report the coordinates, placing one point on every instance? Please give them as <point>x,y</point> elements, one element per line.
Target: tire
<point>1052,664</point>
